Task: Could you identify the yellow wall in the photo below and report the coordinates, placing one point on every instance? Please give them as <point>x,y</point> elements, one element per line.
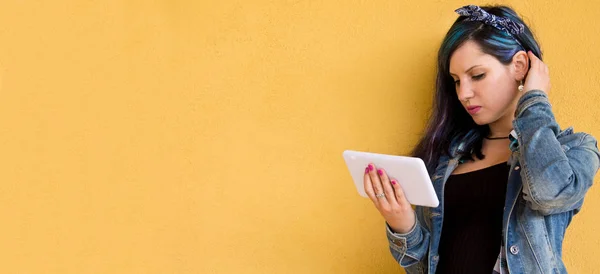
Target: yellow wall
<point>197,137</point>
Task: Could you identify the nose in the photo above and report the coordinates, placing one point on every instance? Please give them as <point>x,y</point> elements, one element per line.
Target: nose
<point>464,92</point>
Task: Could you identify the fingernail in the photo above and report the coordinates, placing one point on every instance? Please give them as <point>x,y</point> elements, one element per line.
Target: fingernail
<point>370,167</point>
<point>366,170</point>
<point>393,182</point>
<point>379,172</point>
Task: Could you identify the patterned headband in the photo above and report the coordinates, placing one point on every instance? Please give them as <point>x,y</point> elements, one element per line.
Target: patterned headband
<point>475,13</point>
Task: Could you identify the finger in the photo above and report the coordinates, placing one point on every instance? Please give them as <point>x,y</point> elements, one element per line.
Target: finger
<point>532,55</point>
<point>400,197</point>
<point>377,187</point>
<point>538,62</point>
<point>387,187</point>
<point>533,59</point>
<point>369,186</point>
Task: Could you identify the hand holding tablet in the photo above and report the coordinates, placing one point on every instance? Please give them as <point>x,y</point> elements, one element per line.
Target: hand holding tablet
<point>372,175</point>
<point>409,172</point>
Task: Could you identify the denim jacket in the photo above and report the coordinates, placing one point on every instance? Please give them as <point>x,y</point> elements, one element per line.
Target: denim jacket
<point>551,171</point>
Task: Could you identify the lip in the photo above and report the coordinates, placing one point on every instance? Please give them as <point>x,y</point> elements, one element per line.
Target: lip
<point>473,109</point>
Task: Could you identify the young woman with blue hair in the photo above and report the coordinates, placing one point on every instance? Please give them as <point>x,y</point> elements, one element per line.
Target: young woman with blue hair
<point>509,180</point>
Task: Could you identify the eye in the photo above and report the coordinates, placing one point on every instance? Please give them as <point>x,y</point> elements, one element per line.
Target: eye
<point>477,77</point>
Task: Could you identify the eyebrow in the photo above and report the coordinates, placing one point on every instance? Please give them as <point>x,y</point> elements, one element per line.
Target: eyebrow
<point>466,70</point>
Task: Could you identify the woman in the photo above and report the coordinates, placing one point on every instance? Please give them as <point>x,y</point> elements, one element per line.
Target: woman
<point>508,178</point>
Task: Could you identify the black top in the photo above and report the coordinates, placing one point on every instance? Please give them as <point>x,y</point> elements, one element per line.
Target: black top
<point>472,226</point>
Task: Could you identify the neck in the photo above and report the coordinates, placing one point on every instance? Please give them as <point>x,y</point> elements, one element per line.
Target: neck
<point>504,125</point>
<point>500,128</point>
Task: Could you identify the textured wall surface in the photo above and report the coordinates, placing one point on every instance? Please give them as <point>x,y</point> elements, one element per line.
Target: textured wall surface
<point>206,136</point>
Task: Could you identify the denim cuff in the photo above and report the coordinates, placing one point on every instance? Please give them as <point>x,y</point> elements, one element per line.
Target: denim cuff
<point>530,98</point>
<point>403,241</point>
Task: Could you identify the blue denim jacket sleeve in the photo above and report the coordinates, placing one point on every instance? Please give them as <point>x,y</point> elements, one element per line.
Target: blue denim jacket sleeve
<point>409,249</point>
<point>554,179</point>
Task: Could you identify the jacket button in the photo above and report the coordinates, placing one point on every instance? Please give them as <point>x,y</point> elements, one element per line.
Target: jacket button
<point>514,250</point>
<point>436,258</point>
<point>517,168</point>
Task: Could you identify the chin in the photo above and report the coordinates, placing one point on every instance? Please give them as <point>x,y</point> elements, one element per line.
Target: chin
<point>479,121</point>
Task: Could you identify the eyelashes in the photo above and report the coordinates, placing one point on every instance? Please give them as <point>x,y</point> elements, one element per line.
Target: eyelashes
<point>475,77</point>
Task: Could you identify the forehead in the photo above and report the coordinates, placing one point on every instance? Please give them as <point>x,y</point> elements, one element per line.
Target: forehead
<point>468,55</point>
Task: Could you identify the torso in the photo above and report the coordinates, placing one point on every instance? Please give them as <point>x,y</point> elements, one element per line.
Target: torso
<point>475,228</point>
<point>471,236</point>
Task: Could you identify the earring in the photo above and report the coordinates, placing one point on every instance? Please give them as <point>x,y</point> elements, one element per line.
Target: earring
<point>521,87</point>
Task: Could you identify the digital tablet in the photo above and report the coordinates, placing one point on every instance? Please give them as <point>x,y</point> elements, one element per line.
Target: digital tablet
<point>409,172</point>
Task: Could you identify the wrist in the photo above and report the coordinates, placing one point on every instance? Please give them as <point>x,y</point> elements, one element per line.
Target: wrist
<point>403,228</point>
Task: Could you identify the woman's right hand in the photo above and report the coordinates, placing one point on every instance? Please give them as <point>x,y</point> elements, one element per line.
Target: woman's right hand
<point>538,76</point>
<point>394,207</point>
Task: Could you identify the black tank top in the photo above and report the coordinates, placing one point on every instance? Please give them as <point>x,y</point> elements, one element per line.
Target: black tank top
<point>472,225</point>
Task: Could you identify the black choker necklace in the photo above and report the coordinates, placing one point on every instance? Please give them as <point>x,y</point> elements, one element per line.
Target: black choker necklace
<point>496,138</point>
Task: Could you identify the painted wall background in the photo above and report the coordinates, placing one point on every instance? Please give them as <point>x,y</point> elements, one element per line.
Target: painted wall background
<point>206,136</point>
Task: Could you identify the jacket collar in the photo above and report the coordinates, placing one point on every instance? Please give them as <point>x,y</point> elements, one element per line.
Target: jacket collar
<point>457,144</point>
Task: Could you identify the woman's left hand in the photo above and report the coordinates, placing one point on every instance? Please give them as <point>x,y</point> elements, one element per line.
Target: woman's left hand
<point>538,76</point>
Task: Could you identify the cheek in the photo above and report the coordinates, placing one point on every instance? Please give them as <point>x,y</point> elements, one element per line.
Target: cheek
<point>501,96</point>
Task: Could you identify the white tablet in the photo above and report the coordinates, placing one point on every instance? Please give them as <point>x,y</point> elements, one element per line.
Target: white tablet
<point>409,172</point>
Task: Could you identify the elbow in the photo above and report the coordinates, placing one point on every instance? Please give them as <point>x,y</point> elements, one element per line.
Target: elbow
<point>551,200</point>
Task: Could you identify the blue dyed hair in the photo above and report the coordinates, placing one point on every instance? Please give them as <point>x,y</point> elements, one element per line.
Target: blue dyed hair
<point>449,120</point>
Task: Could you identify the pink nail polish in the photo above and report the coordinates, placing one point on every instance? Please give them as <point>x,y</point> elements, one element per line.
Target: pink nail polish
<point>366,170</point>
<point>370,167</point>
<point>379,172</point>
<point>393,182</point>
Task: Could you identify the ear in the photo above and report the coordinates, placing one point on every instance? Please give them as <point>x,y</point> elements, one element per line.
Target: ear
<point>520,65</point>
